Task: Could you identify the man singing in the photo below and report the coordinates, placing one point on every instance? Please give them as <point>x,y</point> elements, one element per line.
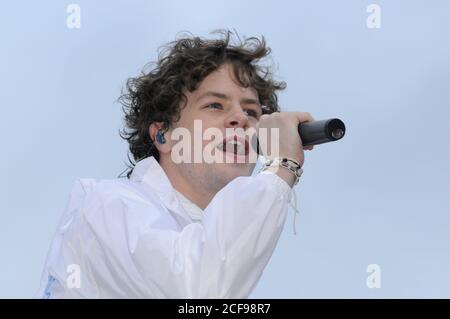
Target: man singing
<point>192,228</point>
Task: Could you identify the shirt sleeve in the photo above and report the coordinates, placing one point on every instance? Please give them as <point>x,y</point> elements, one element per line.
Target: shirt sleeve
<point>223,256</point>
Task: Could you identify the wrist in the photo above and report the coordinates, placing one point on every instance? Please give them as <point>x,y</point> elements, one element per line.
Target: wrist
<point>284,174</point>
<point>286,168</point>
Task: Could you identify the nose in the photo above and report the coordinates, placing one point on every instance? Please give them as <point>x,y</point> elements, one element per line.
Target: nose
<point>237,119</point>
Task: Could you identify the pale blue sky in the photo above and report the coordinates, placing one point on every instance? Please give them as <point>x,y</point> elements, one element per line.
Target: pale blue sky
<point>379,196</point>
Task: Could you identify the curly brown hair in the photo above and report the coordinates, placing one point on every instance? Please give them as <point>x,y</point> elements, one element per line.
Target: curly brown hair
<point>159,95</point>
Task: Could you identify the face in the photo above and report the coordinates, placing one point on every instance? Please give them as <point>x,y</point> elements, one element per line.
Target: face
<point>220,103</point>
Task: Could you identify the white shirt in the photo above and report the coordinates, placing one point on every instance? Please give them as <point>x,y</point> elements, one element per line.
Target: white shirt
<point>192,209</point>
<point>136,238</point>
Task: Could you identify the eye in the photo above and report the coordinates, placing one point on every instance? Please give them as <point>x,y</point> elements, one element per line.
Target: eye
<point>251,113</point>
<point>215,106</point>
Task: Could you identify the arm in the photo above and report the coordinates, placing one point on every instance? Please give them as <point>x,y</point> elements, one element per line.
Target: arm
<point>221,257</point>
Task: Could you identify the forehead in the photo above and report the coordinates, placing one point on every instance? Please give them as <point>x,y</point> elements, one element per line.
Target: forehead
<point>223,80</point>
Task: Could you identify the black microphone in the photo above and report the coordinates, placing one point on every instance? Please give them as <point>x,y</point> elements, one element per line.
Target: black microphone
<point>313,133</point>
<point>319,132</point>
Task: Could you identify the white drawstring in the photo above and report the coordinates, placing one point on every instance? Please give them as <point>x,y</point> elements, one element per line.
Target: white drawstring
<point>296,211</point>
<point>261,161</point>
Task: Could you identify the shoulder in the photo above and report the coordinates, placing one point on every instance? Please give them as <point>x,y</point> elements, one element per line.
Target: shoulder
<point>108,190</point>
<point>119,203</point>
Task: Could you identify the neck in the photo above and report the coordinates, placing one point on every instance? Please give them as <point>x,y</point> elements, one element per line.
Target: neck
<point>195,193</point>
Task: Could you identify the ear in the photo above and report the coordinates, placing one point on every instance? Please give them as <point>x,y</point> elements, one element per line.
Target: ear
<point>152,130</point>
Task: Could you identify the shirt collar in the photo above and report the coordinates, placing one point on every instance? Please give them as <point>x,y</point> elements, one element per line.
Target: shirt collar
<point>149,172</point>
<point>191,208</point>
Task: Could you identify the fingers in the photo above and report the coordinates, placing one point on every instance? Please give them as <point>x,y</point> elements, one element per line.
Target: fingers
<point>304,117</point>
<point>282,119</point>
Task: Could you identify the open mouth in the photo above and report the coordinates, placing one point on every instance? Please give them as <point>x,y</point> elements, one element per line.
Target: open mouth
<point>234,145</point>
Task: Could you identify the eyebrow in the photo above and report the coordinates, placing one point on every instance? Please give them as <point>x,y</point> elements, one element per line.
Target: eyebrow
<point>226,97</point>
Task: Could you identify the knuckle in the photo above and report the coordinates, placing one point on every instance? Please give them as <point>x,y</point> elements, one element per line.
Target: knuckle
<point>264,118</point>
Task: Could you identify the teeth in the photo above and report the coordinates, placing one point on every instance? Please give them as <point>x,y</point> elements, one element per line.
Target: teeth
<point>232,146</point>
<point>234,143</point>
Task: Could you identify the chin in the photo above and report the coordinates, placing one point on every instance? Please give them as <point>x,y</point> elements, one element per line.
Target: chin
<point>234,170</point>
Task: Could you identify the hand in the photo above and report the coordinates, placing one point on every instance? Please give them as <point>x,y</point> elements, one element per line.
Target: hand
<point>289,142</point>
